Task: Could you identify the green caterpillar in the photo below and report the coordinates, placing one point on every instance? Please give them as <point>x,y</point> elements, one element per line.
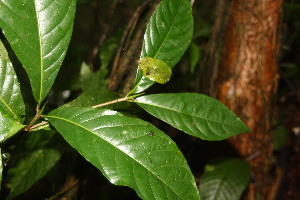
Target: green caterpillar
<point>155,70</point>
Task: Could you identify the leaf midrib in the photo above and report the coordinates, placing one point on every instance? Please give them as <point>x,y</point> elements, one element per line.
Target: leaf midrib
<point>76,124</point>
<point>169,30</point>
<point>10,110</point>
<point>224,174</point>
<point>137,85</point>
<point>41,54</point>
<point>176,111</point>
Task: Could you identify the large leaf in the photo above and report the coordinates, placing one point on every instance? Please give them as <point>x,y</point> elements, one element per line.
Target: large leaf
<point>8,125</point>
<point>195,114</point>
<point>10,95</point>
<point>39,32</point>
<point>224,180</point>
<point>167,37</point>
<point>128,152</point>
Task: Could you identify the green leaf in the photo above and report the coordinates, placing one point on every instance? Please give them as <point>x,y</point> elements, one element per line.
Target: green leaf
<point>224,180</point>
<point>29,168</point>
<point>167,37</point>
<point>10,94</point>
<point>3,52</point>
<point>39,32</point>
<point>195,114</point>
<point>1,168</point>
<point>128,151</point>
<point>8,125</point>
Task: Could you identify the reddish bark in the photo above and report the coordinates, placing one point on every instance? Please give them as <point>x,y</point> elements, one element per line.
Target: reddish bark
<point>247,80</point>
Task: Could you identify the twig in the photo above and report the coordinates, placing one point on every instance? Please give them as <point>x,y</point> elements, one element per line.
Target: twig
<point>127,98</point>
<point>65,190</point>
<point>112,102</point>
<point>36,117</point>
<point>38,125</point>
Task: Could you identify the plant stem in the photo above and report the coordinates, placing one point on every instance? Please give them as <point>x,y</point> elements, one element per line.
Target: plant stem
<point>36,117</point>
<point>111,102</point>
<point>117,100</point>
<point>38,125</point>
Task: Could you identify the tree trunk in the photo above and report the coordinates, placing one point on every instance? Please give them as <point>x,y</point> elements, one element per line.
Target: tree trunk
<point>247,81</point>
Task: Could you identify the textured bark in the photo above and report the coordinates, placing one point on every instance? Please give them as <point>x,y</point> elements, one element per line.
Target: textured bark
<point>247,81</point>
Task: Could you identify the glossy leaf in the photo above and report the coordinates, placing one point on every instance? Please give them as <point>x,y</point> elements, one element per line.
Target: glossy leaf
<point>10,94</point>
<point>1,168</point>
<point>29,168</point>
<point>167,37</point>
<point>195,114</point>
<point>8,125</point>
<point>39,32</point>
<point>224,180</point>
<point>128,152</point>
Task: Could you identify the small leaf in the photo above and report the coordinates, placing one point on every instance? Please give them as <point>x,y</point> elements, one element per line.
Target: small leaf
<point>8,125</point>
<point>167,37</point>
<point>125,152</point>
<point>10,94</point>
<point>156,70</point>
<point>29,168</point>
<point>224,180</point>
<point>39,32</point>
<point>195,114</point>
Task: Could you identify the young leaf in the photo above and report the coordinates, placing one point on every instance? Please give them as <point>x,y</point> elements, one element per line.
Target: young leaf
<point>10,95</point>
<point>29,168</point>
<point>195,114</point>
<point>128,151</point>
<point>224,180</point>
<point>167,37</point>
<point>8,125</point>
<point>39,32</point>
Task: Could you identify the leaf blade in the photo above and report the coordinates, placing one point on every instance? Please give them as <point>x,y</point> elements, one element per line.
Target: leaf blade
<point>29,168</point>
<point>195,114</point>
<point>8,125</point>
<point>10,94</point>
<point>126,154</point>
<point>1,169</point>
<point>39,33</point>
<point>167,36</point>
<point>224,179</point>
